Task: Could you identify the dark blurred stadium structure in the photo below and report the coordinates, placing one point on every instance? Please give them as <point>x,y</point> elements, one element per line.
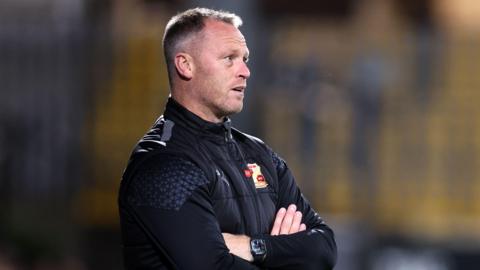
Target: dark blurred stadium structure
<point>373,103</point>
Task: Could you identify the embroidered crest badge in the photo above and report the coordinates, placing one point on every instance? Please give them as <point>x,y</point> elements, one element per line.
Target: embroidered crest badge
<point>257,176</point>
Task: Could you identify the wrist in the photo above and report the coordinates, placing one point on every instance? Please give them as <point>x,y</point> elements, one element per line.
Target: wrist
<point>238,245</point>
<point>248,255</point>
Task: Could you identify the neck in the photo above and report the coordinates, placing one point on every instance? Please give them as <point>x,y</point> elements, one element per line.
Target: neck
<point>185,99</point>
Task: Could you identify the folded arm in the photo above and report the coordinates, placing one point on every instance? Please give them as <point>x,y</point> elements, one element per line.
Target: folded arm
<point>287,221</point>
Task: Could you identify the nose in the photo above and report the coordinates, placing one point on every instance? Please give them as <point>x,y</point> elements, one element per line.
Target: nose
<point>244,71</point>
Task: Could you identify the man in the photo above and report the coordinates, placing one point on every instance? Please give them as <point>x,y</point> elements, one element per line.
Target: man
<point>199,194</point>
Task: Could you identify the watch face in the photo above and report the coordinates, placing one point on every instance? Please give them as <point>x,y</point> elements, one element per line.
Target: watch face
<point>258,246</point>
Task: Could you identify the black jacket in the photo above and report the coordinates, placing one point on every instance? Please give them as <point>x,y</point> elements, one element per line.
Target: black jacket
<point>189,180</point>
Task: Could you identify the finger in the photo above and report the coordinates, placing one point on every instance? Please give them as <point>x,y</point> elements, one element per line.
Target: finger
<point>297,219</point>
<point>303,227</point>
<point>287,220</point>
<point>278,221</point>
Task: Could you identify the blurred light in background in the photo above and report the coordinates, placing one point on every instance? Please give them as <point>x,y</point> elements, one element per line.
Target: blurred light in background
<point>373,104</point>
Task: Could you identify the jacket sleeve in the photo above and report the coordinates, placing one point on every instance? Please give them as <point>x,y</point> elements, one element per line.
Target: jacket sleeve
<point>314,248</point>
<point>170,199</point>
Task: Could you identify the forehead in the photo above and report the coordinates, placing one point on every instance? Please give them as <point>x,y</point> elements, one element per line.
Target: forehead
<point>217,31</point>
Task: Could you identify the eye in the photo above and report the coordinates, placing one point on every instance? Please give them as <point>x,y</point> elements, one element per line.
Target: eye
<point>245,59</point>
<point>229,60</point>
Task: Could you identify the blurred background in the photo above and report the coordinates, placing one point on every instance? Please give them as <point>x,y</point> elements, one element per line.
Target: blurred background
<point>373,103</point>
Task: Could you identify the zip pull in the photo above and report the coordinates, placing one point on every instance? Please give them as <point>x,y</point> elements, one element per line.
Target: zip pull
<point>226,136</point>
<point>227,124</point>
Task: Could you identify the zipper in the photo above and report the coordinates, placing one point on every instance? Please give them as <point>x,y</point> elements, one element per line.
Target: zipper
<point>250,181</point>
<point>259,223</point>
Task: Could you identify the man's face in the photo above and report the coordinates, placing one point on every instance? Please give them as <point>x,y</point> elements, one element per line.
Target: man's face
<point>220,75</point>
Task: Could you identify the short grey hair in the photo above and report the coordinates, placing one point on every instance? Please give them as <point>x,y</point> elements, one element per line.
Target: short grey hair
<point>188,23</point>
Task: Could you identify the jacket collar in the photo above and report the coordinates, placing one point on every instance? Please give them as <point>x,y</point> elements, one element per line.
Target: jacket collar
<point>182,116</point>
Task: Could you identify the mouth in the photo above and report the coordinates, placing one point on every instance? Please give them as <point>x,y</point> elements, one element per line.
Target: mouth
<point>240,88</point>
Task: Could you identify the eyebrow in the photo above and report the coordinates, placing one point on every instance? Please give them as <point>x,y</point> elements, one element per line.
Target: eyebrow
<point>239,52</point>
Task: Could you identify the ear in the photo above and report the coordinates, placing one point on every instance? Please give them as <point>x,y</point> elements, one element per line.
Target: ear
<point>184,65</point>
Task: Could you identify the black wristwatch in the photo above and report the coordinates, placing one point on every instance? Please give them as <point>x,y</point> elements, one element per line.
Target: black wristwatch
<point>259,249</point>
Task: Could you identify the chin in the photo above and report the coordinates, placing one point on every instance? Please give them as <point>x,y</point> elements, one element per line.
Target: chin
<point>238,108</point>
<point>234,110</point>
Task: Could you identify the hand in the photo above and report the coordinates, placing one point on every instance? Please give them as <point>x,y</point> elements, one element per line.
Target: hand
<point>288,221</point>
<point>238,245</point>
